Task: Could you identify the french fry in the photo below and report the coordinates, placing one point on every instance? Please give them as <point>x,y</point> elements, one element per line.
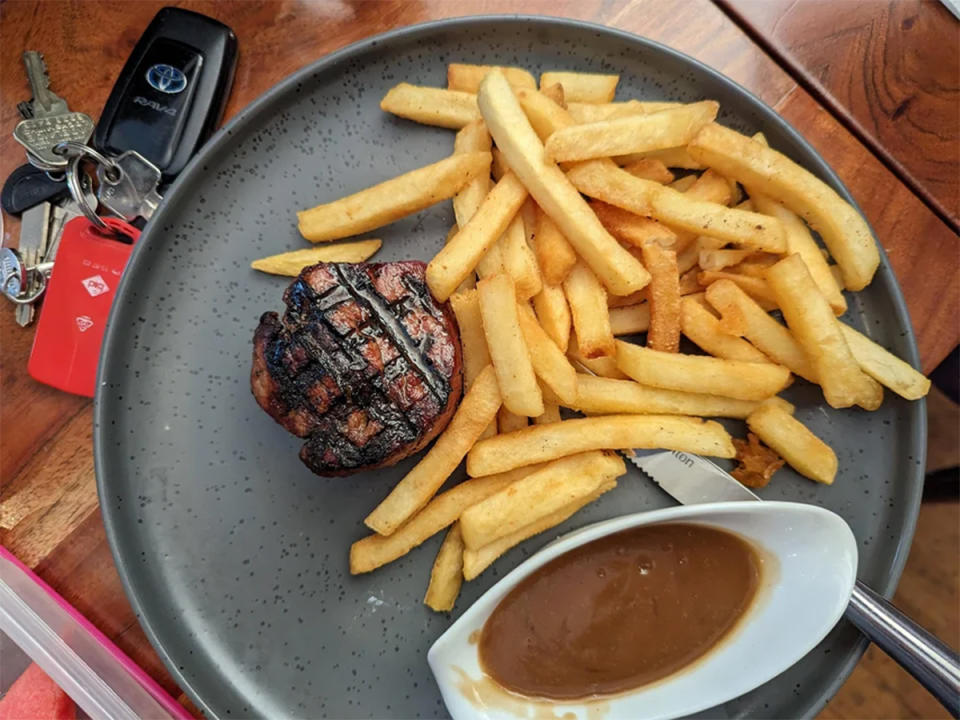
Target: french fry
<point>461,76</point>
<point>756,288</point>
<point>472,138</point>
<point>555,93</point>
<point>461,255</point>
<point>508,421</point>
<point>431,106</point>
<point>519,261</point>
<point>684,183</point>
<point>551,414</point>
<point>617,269</point>
<point>466,307</point>
<point>812,323</point>
<point>701,374</point>
<point>793,441</point>
<point>718,259</point>
<point>545,115</point>
<point>765,171</point>
<point>765,333</point>
<point>677,157</point>
<point>476,561</point>
<point>602,366</point>
<point>508,350</point>
<point>619,301</point>
<point>556,485</point>
<point>393,199</point>
<point>800,241</point>
<point>588,308</point>
<point>528,211</point>
<point>885,367</point>
<point>690,283</point>
<point>554,254</point>
<point>664,298</point>
<point>630,320</point>
<point>291,263</point>
<point>549,362</point>
<point>478,407</point>
<point>539,443</point>
<point>704,330</point>
<point>499,166</point>
<point>595,112</point>
<point>554,314</point>
<point>710,186</point>
<point>632,229</point>
<point>583,87</point>
<point>600,395</point>
<point>632,134</point>
<point>373,551</point>
<point>446,576</point>
<point>650,169</point>
<point>644,197</point>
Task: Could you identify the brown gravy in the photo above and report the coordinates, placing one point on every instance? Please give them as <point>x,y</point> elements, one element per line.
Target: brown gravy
<point>619,612</point>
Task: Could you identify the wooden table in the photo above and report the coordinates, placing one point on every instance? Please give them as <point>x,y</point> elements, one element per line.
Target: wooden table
<point>48,507</point>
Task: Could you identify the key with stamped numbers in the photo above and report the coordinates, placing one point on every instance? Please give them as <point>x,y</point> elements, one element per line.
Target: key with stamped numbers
<point>129,190</point>
<point>51,122</point>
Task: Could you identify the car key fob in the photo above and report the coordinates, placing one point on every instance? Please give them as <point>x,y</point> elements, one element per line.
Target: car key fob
<point>171,93</point>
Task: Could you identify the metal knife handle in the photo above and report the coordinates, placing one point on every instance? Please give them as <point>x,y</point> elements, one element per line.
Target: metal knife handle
<point>935,665</point>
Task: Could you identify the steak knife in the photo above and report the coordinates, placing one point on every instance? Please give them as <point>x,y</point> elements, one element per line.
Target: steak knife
<point>691,479</point>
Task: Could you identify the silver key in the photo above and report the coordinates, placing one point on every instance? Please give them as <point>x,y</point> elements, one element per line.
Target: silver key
<point>130,191</point>
<point>52,120</point>
<point>34,231</point>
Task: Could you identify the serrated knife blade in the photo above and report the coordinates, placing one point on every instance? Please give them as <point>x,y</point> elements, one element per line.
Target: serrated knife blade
<point>689,479</point>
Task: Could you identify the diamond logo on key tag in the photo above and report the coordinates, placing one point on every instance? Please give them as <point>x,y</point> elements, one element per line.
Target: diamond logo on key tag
<point>84,323</point>
<point>95,285</point>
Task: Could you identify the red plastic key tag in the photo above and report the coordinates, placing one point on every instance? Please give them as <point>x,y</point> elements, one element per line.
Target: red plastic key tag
<point>66,347</point>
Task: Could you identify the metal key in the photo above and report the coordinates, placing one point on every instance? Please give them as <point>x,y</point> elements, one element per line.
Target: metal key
<point>129,190</point>
<point>34,231</point>
<point>52,120</point>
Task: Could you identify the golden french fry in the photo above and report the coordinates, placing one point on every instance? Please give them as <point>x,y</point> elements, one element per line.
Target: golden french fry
<point>677,157</point>
<point>602,366</point>
<point>554,314</point>
<point>793,441</point>
<point>703,328</point>
<point>554,486</point>
<point>476,561</point>
<point>545,115</point>
<point>393,199</point>
<point>431,106</point>
<point>461,255</point>
<point>812,323</point>
<point>472,138</point>
<point>684,183</point>
<point>551,414</point>
<point>539,443</point>
<point>711,186</point>
<point>376,550</point>
<point>664,298</point>
<point>291,263</point>
<point>885,367</point>
<point>554,254</point>
<point>765,333</point>
<point>508,350</point>
<point>650,169</point>
<point>529,211</point>
<point>765,171</point>
<point>478,407</point>
<point>615,186</point>
<point>713,259</point>
<point>617,269</point>
<point>519,261</point>
<point>555,93</point>
<point>757,288</point>
<point>549,362</point>
<point>446,576</point>
<point>607,396</point>
<point>632,134</point>
<point>619,301</point>
<point>588,308</point>
<point>800,241</point>
<point>630,320</point>
<point>690,282</point>
<point>466,307</point>
<point>632,229</point>
<point>701,374</point>
<point>465,77</point>
<point>508,421</point>
<point>582,87</point>
<point>595,112</point>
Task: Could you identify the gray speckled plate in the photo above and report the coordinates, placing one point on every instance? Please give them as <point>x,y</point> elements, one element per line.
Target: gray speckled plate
<point>233,554</point>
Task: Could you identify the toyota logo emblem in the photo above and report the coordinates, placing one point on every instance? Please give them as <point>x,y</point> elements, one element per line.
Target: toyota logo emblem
<point>167,79</point>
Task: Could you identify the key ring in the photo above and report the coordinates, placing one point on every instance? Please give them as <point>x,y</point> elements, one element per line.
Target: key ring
<point>76,190</point>
<point>29,298</point>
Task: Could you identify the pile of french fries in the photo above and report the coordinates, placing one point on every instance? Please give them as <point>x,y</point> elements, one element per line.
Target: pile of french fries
<point>580,220</point>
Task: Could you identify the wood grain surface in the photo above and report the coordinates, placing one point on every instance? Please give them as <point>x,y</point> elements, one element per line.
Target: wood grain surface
<point>48,510</point>
<point>889,70</point>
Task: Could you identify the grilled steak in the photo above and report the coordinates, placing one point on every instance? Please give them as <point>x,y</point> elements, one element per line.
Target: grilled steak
<point>364,364</point>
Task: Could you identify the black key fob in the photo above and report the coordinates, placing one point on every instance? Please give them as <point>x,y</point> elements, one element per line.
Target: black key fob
<point>27,186</point>
<point>171,93</point>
